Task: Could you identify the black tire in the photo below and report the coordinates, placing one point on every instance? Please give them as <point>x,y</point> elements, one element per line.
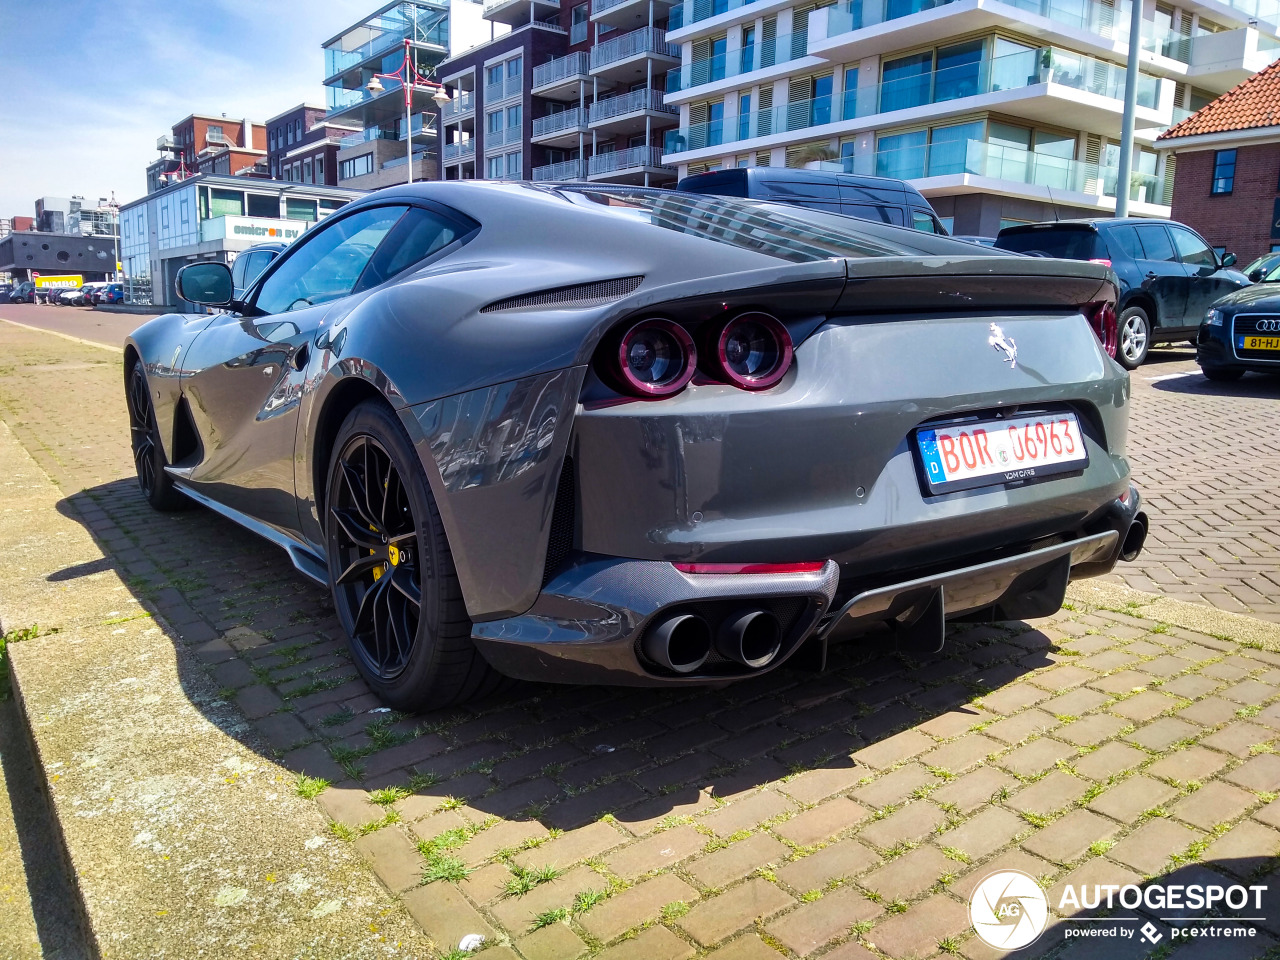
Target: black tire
<point>1135,338</point>
<point>148,455</point>
<point>1222,374</point>
<point>413,661</point>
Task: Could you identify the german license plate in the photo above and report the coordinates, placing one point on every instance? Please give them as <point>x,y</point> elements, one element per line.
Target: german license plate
<point>978,453</point>
<point>1259,343</point>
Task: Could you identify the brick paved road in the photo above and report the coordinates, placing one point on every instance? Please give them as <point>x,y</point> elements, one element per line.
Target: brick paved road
<point>1207,457</point>
<point>845,816</point>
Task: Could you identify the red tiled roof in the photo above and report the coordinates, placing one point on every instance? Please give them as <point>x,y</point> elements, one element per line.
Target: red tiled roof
<point>1254,103</point>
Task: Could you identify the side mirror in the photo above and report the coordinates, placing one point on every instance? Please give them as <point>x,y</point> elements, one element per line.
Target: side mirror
<point>1255,276</point>
<point>207,283</point>
<point>1229,260</point>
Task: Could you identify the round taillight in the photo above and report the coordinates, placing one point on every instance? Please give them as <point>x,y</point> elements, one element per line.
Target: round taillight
<point>753,351</point>
<point>656,358</point>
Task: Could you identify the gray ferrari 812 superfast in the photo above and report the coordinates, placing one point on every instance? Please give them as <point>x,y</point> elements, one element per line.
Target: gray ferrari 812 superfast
<point>601,434</point>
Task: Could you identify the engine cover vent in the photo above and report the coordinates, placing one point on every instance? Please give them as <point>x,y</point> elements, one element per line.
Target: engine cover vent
<point>578,295</point>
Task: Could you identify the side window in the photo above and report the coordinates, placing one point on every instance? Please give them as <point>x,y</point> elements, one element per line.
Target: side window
<point>922,221</point>
<point>328,263</point>
<point>237,271</point>
<point>417,236</point>
<point>1192,250</point>
<point>1155,242</point>
<point>1126,239</point>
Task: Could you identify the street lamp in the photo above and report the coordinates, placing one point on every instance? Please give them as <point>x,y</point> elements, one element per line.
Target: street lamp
<point>409,77</point>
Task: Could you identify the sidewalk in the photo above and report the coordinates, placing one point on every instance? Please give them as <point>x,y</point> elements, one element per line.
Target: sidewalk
<point>844,816</point>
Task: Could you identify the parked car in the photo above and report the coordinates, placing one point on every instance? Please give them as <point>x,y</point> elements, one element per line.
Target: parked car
<point>25,292</point>
<point>1168,274</point>
<point>249,264</point>
<point>109,293</point>
<point>1241,331</point>
<point>1263,266</point>
<point>868,198</point>
<point>678,450</point>
<point>75,296</point>
<point>984,241</point>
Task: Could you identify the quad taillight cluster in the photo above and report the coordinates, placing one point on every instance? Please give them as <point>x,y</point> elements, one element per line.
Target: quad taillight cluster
<point>657,358</point>
<point>1102,317</point>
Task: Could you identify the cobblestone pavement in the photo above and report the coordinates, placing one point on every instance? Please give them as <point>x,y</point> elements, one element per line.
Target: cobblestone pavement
<point>1207,458</point>
<point>847,815</point>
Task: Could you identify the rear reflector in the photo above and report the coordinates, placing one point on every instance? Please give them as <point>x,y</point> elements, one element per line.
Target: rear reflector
<point>813,567</point>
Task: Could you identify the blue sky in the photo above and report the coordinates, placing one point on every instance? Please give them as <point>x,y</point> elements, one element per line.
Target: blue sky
<point>85,102</point>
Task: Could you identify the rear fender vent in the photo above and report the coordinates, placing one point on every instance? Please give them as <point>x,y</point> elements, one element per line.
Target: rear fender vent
<point>578,295</point>
<point>560,541</point>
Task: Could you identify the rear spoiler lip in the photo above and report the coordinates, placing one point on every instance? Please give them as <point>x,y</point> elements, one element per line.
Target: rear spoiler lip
<point>857,268</point>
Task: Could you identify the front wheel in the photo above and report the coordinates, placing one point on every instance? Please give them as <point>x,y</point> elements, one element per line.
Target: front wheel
<point>395,589</point>
<point>1135,338</point>
<point>148,456</point>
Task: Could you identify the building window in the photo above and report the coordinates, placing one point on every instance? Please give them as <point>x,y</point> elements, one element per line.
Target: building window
<point>513,119</point>
<point>214,134</point>
<point>1224,171</point>
<point>296,208</point>
<point>514,66</point>
<point>513,166</point>
<point>356,166</point>
<point>493,75</point>
<point>223,203</point>
<point>308,176</point>
<point>495,168</point>
<point>493,122</point>
<point>297,171</point>
<point>578,26</point>
<point>272,138</point>
<point>319,169</point>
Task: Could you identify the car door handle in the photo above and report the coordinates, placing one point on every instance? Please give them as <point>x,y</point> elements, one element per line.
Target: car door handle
<point>1151,274</point>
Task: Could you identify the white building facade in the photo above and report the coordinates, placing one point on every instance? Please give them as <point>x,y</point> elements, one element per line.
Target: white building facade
<point>999,111</point>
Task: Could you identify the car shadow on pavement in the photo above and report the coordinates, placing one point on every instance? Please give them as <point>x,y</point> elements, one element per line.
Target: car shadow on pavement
<point>562,756</point>
<point>1252,385</point>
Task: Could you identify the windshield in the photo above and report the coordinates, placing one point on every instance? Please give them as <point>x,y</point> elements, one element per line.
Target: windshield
<point>1064,243</point>
<point>773,229</point>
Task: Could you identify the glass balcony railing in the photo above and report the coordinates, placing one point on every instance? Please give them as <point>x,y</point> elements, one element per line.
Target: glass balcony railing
<point>1043,65</point>
<point>691,11</point>
<point>1110,21</point>
<point>755,56</point>
<point>461,104</point>
<point>572,119</point>
<point>504,88</point>
<point>627,103</point>
<point>419,22</point>
<point>459,150</point>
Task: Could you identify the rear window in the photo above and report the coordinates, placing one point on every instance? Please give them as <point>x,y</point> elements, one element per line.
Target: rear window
<point>766,228</point>
<point>1061,242</point>
<point>727,183</point>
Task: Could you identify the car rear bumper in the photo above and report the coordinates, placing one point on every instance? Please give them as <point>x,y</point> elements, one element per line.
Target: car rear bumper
<point>594,622</point>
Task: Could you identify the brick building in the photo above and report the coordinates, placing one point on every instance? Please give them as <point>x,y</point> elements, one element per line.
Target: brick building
<point>302,146</point>
<point>210,145</point>
<point>1227,174</point>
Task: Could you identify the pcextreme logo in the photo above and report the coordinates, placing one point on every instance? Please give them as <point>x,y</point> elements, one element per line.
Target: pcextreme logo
<point>1009,910</point>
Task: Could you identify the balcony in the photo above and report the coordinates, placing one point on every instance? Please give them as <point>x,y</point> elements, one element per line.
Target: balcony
<point>496,139</point>
<point>462,104</point>
<point>748,59</point>
<point>625,115</point>
<point>165,142</point>
<point>627,14</point>
<point>1046,84</point>
<point>519,12</point>
<point>508,87</point>
<point>425,23</point>
<point>1103,25</point>
<point>1222,60</point>
<point>1012,171</point>
<point>560,129</point>
<point>559,79</point>
<point>424,126</point>
<point>565,170</point>
<point>622,59</point>
<point>629,165</point>
<point>458,151</point>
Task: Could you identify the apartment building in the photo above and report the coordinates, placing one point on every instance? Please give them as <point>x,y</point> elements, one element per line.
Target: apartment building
<point>376,149</point>
<point>212,145</point>
<point>570,91</point>
<point>999,111</point>
<point>302,145</point>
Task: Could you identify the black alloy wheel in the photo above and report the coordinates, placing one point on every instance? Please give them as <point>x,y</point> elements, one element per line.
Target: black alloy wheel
<point>395,589</point>
<point>144,436</point>
<point>377,552</point>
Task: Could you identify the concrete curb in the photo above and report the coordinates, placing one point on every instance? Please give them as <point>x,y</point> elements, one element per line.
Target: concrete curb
<point>1192,616</point>
<point>184,839</point>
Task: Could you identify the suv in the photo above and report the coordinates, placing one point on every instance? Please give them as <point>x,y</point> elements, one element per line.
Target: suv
<point>1168,275</point>
<point>25,292</point>
<point>249,264</point>
<point>867,198</point>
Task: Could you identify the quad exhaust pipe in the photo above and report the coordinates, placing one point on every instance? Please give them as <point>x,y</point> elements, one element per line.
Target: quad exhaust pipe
<point>1134,538</point>
<point>750,637</point>
<point>680,643</point>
